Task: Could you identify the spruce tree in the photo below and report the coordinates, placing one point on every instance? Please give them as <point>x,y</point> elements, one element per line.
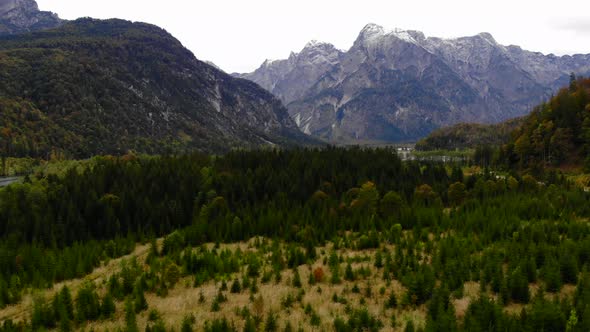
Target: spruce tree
<point>139,298</point>
<point>130,318</point>
<point>107,307</point>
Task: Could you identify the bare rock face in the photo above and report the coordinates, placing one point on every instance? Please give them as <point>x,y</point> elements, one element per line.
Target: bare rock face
<point>18,16</point>
<point>399,85</point>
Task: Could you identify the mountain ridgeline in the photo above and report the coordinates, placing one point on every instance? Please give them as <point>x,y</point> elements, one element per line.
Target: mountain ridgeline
<point>108,86</point>
<point>400,85</point>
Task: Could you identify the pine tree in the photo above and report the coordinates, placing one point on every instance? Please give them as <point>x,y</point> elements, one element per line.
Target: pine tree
<point>392,300</point>
<point>236,287</point>
<point>187,324</point>
<point>271,323</point>
<point>379,259</point>
<point>87,304</point>
<point>519,286</point>
<point>250,325</point>
<point>296,279</point>
<point>348,273</point>
<point>65,323</point>
<point>130,318</point>
<point>139,298</point>
<point>62,304</point>
<point>107,307</point>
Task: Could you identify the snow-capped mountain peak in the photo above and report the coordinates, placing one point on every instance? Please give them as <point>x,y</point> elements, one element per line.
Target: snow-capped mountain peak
<point>314,43</point>
<point>399,85</point>
<point>372,33</point>
<point>488,37</point>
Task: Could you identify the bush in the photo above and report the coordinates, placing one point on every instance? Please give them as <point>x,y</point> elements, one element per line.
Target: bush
<point>318,274</point>
<point>236,287</point>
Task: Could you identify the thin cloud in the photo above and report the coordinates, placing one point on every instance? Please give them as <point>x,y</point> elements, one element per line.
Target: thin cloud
<point>577,25</point>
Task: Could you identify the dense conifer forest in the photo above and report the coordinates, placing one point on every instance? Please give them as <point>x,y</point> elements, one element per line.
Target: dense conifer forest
<point>215,213</point>
<point>270,239</point>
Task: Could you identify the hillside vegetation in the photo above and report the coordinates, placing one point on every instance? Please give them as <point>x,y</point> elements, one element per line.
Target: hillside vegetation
<point>107,87</point>
<point>556,133</point>
<point>331,240</point>
<point>469,136</point>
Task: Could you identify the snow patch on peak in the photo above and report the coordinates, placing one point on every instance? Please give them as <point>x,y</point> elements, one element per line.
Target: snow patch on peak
<point>372,28</point>
<point>488,37</point>
<point>268,62</point>
<point>373,32</point>
<point>403,35</point>
<point>314,43</point>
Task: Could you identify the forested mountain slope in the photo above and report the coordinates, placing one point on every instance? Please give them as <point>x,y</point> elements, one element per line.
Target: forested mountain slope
<point>93,87</point>
<point>470,135</point>
<point>556,133</point>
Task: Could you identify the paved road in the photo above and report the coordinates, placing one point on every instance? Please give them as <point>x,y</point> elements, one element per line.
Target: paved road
<point>8,180</point>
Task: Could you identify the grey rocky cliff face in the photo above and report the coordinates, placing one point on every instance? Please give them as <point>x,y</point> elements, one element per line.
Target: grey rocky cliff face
<point>19,16</point>
<point>399,85</point>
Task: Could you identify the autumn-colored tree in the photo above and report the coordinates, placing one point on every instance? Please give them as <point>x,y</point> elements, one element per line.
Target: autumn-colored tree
<point>425,195</point>
<point>368,198</point>
<point>318,274</point>
<point>457,193</point>
<point>391,204</point>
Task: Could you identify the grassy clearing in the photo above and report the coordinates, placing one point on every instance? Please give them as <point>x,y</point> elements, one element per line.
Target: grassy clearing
<point>309,307</point>
<point>22,310</point>
<point>287,302</point>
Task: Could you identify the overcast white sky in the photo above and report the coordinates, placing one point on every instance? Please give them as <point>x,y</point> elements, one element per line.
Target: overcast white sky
<point>238,35</point>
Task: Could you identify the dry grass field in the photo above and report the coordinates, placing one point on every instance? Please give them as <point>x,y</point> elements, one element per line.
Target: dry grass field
<point>290,304</point>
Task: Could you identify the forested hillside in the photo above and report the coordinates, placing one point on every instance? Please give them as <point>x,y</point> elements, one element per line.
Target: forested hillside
<point>470,136</point>
<point>556,133</point>
<point>111,86</point>
<point>353,240</point>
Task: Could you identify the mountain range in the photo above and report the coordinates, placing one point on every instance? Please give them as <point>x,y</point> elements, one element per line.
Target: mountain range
<point>93,86</point>
<point>400,85</point>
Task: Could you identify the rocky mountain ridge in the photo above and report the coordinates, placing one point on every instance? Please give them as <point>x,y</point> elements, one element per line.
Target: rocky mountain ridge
<point>400,85</point>
<point>18,16</point>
